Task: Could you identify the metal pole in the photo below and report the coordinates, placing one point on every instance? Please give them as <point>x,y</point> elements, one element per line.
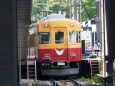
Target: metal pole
<point>79,11</point>
<point>108,58</point>
<point>19,55</point>
<point>75,9</point>
<point>94,40</point>
<point>98,19</point>
<point>107,64</point>
<point>102,38</point>
<point>69,8</point>
<point>101,32</point>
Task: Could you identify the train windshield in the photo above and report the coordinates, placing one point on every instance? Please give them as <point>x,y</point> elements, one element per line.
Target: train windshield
<point>59,37</point>
<point>74,37</point>
<point>44,37</point>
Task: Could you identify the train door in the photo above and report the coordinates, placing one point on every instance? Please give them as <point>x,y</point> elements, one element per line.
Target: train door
<point>60,44</point>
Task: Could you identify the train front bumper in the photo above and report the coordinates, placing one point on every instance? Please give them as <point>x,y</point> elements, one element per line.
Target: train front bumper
<point>60,72</point>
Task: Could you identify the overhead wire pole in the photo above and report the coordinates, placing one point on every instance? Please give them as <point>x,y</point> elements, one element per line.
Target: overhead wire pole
<point>100,24</point>
<point>104,47</point>
<point>107,63</point>
<point>79,15</point>
<point>75,9</point>
<point>102,39</point>
<point>69,8</point>
<point>108,59</point>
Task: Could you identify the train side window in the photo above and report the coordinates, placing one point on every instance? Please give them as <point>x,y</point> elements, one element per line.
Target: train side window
<point>78,37</point>
<point>44,37</point>
<point>59,37</point>
<point>73,37</point>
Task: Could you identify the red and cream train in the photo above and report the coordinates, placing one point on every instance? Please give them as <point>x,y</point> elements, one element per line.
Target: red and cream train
<point>56,44</point>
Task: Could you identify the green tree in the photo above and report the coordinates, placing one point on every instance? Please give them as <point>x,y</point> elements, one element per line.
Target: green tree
<point>38,10</point>
<point>88,9</point>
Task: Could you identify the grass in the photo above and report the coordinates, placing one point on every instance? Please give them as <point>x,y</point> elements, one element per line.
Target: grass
<point>34,83</point>
<point>95,79</point>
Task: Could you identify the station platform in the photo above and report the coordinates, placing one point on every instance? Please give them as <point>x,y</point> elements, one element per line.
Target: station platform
<point>25,82</point>
<point>28,82</point>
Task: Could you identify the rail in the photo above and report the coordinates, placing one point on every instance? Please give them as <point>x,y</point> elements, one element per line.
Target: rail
<point>74,82</point>
<point>53,82</point>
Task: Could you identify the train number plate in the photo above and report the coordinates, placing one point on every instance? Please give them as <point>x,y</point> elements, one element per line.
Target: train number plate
<point>60,63</point>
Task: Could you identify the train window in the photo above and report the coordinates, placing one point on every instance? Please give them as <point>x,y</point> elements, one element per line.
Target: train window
<point>59,37</point>
<point>44,37</point>
<point>78,37</point>
<point>73,37</point>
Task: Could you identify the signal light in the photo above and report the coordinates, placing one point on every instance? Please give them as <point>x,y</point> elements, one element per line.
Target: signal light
<point>73,54</point>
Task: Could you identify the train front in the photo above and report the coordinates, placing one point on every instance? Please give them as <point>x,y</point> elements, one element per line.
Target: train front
<point>59,47</point>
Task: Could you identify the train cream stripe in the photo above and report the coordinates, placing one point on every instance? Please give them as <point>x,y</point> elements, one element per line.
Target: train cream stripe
<point>44,46</point>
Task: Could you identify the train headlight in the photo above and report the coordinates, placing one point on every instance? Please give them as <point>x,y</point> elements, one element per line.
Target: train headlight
<point>46,25</point>
<point>73,55</point>
<point>71,24</point>
<point>47,58</point>
<point>46,55</point>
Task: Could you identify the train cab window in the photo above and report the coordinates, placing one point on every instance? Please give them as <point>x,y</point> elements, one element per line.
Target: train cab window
<point>59,37</point>
<point>44,37</point>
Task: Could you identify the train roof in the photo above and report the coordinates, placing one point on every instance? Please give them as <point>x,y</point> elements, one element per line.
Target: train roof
<point>53,16</point>
<point>63,20</point>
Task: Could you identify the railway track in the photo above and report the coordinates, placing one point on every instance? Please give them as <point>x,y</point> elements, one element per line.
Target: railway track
<point>74,82</point>
<point>58,82</point>
<point>54,83</point>
<point>69,82</point>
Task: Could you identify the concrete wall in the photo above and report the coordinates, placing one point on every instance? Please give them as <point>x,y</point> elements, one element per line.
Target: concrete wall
<point>8,43</point>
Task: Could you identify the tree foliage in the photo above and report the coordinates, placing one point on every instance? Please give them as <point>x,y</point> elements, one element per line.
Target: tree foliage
<point>42,8</point>
<point>88,10</point>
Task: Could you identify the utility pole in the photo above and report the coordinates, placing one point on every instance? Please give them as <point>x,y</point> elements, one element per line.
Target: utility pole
<point>98,19</point>
<point>100,25</point>
<point>69,8</point>
<point>106,59</point>
<point>109,58</point>
<point>75,9</point>
<point>79,15</point>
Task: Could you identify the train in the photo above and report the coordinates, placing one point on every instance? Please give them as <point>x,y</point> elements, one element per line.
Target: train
<point>55,42</point>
